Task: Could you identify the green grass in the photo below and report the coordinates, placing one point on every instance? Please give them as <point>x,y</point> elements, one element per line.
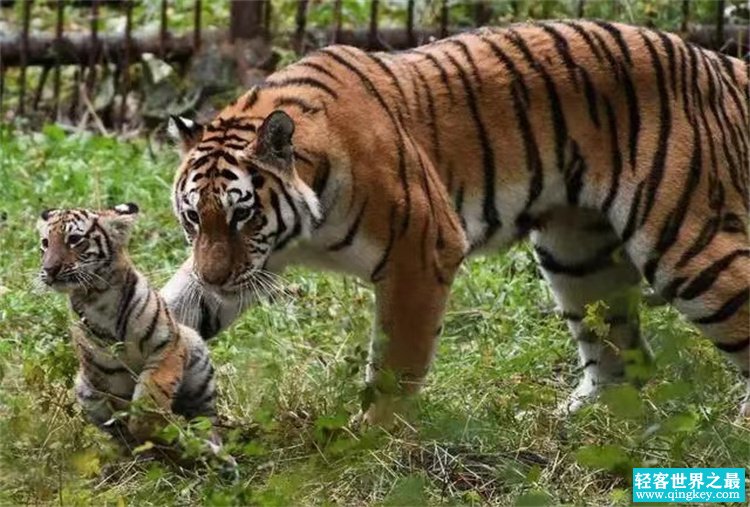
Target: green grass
<point>290,375</point>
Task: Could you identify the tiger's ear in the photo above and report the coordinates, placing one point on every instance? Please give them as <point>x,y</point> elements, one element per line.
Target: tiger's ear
<point>44,217</point>
<point>119,220</point>
<point>274,142</point>
<point>184,131</point>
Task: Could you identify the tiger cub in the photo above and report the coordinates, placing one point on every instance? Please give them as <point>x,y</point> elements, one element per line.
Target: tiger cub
<point>129,347</point>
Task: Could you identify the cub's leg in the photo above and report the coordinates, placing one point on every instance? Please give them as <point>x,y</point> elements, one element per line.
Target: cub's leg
<point>712,289</point>
<point>98,408</point>
<point>581,258</point>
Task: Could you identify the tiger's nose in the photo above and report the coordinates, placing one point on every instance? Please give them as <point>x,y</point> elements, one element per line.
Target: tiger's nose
<point>51,271</point>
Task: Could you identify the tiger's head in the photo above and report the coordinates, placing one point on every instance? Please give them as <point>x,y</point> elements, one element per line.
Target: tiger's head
<point>81,247</point>
<point>238,196</point>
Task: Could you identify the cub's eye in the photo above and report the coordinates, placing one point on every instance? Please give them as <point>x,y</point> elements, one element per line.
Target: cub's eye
<point>193,216</point>
<point>74,239</point>
<point>45,243</point>
<point>241,214</point>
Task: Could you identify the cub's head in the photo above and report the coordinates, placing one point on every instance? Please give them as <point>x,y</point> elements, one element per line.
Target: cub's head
<point>80,246</point>
<point>238,196</point>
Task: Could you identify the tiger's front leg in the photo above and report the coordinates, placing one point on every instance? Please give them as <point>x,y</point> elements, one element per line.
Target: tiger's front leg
<point>410,302</point>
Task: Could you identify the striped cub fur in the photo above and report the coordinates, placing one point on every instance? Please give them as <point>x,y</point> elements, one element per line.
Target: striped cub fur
<point>622,153</point>
<point>130,348</point>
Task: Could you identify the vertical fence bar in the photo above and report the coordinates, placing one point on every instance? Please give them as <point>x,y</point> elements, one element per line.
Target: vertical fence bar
<point>163,30</point>
<point>24,55</point>
<point>481,13</point>
<point>615,8</point>
<point>2,92</point>
<point>685,16</point>
<point>94,53</point>
<point>267,13</point>
<point>40,87</point>
<point>337,21</point>
<point>372,37</point>
<point>125,85</point>
<point>444,18</point>
<point>197,25</point>
<point>58,50</point>
<point>720,5</point>
<point>301,21</point>
<point>410,23</point>
<point>581,11</point>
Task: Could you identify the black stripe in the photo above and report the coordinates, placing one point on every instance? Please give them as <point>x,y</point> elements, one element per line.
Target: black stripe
<point>433,114</point>
<point>151,327</point>
<point>533,158</point>
<point>489,212</point>
<point>561,46</point>
<point>590,362</point>
<point>385,68</point>
<point>352,232</point>
<point>558,118</point>
<point>669,48</point>
<point>252,98</point>
<point>144,305</point>
<point>709,230</point>
<point>321,177</point>
<point>296,228</point>
<point>124,307</point>
<point>510,66</point>
<point>601,259</point>
<point>586,36</point>
<point>376,275</point>
<point>685,95</point>
<point>301,81</point>
<point>401,149</point>
<point>574,172</point>
<point>673,223</point>
<point>304,105</point>
<point>441,70</point>
<point>727,310</point>
<point>617,36</point>
<point>706,278</point>
<point>281,226</point>
<point>209,324</point>
<point>656,173</point>
<point>614,185</point>
<point>629,229</point>
<point>734,348</point>
<point>319,68</point>
<point>475,73</point>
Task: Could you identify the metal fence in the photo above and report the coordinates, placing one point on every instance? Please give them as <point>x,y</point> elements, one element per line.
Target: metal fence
<point>89,51</point>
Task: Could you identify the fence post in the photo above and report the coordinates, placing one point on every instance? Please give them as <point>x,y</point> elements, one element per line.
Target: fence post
<point>372,38</point>
<point>720,5</point>
<point>58,41</point>
<point>337,21</point>
<point>444,18</point>
<point>24,50</point>
<point>410,23</point>
<point>126,62</point>
<point>482,13</point>
<point>301,20</point>
<point>246,19</point>
<point>197,25</point>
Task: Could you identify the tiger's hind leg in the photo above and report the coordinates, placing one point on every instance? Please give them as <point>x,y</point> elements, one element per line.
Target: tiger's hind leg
<point>581,258</point>
<point>712,289</point>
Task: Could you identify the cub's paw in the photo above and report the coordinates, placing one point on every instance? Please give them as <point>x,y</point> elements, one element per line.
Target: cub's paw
<point>586,393</point>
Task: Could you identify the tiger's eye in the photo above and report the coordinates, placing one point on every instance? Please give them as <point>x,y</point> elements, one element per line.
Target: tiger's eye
<point>45,243</point>
<point>241,214</point>
<point>193,216</point>
<point>74,239</point>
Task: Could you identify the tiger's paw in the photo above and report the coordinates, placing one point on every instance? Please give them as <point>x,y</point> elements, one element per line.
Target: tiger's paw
<point>586,393</point>
<point>381,412</point>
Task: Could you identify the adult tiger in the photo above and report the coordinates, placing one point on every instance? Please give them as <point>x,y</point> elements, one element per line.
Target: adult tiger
<point>621,151</point>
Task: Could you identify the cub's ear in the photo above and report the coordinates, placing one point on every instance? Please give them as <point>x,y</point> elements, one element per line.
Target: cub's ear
<point>186,132</point>
<point>119,220</point>
<point>46,214</point>
<point>275,138</point>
